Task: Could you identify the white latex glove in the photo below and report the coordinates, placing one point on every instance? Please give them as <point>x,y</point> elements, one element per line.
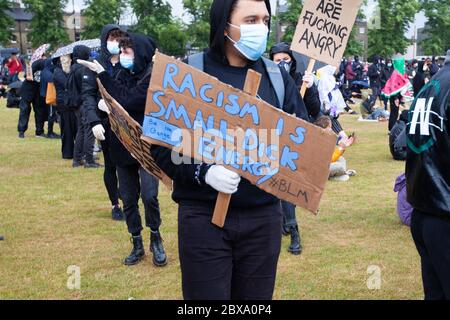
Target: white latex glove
<point>103,107</point>
<point>308,78</point>
<point>94,66</point>
<point>99,132</point>
<point>222,179</point>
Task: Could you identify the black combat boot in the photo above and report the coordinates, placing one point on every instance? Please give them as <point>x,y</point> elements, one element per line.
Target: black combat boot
<point>157,248</point>
<point>295,247</point>
<point>137,253</point>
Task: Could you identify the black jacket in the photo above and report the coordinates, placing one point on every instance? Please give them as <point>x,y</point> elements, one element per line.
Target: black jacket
<point>77,72</point>
<point>186,188</point>
<point>428,162</point>
<point>374,74</point>
<point>30,89</point>
<point>60,81</point>
<point>386,73</point>
<point>90,93</point>
<point>130,91</point>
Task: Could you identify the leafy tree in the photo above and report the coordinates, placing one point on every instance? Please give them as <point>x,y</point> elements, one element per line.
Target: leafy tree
<point>438,38</point>
<point>155,20</point>
<point>388,37</point>
<point>355,47</point>
<point>5,22</point>
<point>100,13</point>
<point>198,29</point>
<point>47,24</point>
<point>289,19</point>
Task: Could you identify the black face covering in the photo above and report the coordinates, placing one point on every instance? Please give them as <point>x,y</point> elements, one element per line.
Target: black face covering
<point>219,17</point>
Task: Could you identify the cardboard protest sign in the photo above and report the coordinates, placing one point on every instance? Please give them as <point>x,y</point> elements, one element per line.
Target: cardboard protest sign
<point>129,133</point>
<point>324,28</point>
<point>200,117</point>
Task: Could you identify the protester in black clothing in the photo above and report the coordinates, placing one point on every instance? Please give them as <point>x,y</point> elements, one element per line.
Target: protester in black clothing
<point>374,74</point>
<point>387,70</point>
<point>397,137</point>
<point>420,79</point>
<point>131,92</point>
<point>358,68</point>
<point>97,119</point>
<point>428,182</point>
<point>29,93</point>
<point>46,78</point>
<point>240,260</point>
<point>434,67</point>
<point>68,119</point>
<point>84,141</point>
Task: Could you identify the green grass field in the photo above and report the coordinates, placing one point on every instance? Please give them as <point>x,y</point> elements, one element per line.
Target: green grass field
<point>53,216</point>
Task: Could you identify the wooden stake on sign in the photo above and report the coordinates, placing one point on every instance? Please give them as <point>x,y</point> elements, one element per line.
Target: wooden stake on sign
<point>251,86</point>
<point>310,69</point>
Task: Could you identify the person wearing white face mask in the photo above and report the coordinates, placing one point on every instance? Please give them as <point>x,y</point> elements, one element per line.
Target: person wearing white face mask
<point>130,91</point>
<point>98,120</point>
<point>240,260</point>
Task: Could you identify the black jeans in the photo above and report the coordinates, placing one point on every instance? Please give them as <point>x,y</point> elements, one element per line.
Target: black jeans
<point>52,118</point>
<point>393,117</point>
<point>84,142</point>
<point>237,262</point>
<point>432,238</point>
<point>135,182</point>
<point>39,115</point>
<point>69,128</point>
<point>110,173</point>
<point>289,216</point>
<point>375,94</point>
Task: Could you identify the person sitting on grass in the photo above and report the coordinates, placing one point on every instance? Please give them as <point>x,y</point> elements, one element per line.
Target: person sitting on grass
<point>338,167</point>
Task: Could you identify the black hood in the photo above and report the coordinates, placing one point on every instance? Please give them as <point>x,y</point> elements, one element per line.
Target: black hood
<point>104,38</point>
<point>81,52</point>
<point>219,17</point>
<point>284,47</point>
<point>144,49</point>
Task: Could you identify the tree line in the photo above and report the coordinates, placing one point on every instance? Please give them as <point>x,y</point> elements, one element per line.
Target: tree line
<point>386,33</point>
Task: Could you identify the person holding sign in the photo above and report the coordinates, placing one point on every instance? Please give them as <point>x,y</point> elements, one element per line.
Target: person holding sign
<point>238,261</point>
<point>131,92</point>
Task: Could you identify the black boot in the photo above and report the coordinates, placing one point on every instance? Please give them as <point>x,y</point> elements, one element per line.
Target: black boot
<point>285,230</point>
<point>295,247</point>
<point>157,248</point>
<point>137,253</point>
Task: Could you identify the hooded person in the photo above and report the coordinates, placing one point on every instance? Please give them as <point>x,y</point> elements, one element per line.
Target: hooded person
<point>130,92</point>
<point>374,73</point>
<point>420,78</point>
<point>98,120</point>
<point>428,181</point>
<point>84,142</point>
<point>46,78</point>
<point>68,119</point>
<point>240,260</point>
<point>282,55</point>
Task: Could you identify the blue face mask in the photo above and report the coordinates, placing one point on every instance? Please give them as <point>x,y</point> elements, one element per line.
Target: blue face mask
<point>113,47</point>
<point>253,40</point>
<point>127,62</point>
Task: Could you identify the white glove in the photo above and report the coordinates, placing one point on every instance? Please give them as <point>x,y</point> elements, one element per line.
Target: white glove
<point>103,107</point>
<point>309,80</point>
<point>222,179</point>
<point>93,66</point>
<point>99,132</point>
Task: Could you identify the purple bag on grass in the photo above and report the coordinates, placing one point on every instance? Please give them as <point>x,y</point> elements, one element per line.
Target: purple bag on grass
<point>404,209</point>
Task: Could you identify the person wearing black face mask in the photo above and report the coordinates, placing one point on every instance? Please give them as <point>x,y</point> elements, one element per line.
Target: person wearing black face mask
<point>240,260</point>
<point>131,93</point>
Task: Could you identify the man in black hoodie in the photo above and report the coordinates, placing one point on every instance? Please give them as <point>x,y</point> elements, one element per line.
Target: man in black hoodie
<point>97,119</point>
<point>131,93</point>
<point>428,181</point>
<point>374,74</point>
<point>240,260</point>
<point>84,142</point>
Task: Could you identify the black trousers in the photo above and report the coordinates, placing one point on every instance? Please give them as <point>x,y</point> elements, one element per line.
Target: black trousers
<point>238,262</point>
<point>84,141</point>
<point>375,94</point>
<point>110,173</point>
<point>394,113</point>
<point>69,128</point>
<point>40,115</point>
<point>135,182</point>
<point>432,238</point>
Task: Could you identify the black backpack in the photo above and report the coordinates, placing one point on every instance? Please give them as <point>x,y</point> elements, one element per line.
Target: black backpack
<point>73,91</point>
